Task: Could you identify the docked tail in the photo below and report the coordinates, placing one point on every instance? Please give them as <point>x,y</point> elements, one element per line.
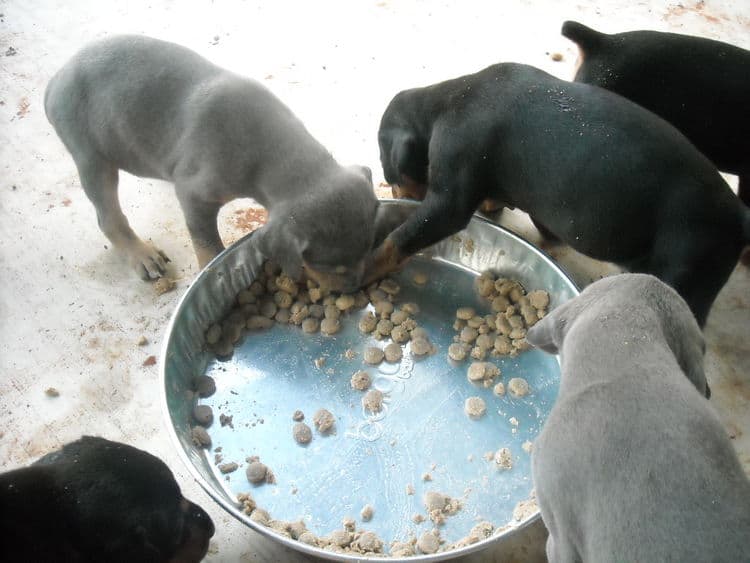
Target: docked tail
<point>586,38</point>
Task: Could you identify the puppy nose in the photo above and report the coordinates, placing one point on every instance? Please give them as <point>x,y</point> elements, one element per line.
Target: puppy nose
<point>202,519</point>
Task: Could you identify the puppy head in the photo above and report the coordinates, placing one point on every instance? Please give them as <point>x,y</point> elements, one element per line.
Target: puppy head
<point>644,300</point>
<point>126,504</point>
<point>328,232</point>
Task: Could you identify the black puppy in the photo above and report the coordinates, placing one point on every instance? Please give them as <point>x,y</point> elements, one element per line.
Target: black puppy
<point>99,501</point>
<point>700,86</point>
<point>595,170</point>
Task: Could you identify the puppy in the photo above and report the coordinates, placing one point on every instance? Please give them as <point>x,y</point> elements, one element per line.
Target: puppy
<point>96,500</point>
<point>591,168</point>
<point>699,85</point>
<point>158,110</point>
<point>632,463</point>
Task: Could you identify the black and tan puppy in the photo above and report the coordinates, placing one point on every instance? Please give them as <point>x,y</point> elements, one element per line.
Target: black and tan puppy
<point>158,110</point>
<point>99,501</point>
<point>591,168</point>
<point>700,86</point>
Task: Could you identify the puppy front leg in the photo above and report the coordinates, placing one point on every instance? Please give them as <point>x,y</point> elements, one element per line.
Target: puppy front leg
<point>99,179</point>
<point>440,215</point>
<point>200,217</point>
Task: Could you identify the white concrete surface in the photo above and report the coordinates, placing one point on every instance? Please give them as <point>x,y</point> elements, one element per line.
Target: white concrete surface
<point>71,313</point>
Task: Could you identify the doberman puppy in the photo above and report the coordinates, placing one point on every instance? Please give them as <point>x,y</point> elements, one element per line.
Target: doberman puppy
<point>158,110</point>
<point>632,463</point>
<point>591,168</point>
<point>99,501</point>
<point>700,86</point>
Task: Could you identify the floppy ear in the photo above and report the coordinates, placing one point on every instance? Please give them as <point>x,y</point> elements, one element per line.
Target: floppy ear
<point>549,333</point>
<point>542,336</point>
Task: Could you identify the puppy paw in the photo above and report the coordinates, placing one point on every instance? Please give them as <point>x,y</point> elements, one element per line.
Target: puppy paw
<point>148,261</point>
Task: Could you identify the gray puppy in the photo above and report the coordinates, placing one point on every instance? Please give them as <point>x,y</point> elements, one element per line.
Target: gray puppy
<point>632,463</point>
<point>158,110</point>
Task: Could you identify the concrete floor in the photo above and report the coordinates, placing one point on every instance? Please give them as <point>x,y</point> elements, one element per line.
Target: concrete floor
<point>71,313</point>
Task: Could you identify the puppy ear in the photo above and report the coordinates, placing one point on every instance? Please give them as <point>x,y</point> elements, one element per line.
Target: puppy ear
<point>548,334</point>
<point>366,172</point>
<point>542,335</point>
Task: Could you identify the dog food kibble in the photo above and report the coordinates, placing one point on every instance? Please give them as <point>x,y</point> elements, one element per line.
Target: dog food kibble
<point>475,407</point>
<point>200,437</point>
<point>410,308</point>
<point>283,299</point>
<point>345,302</point>
<point>285,283</point>
<point>373,355</point>
<point>499,389</point>
<point>420,278</point>
<point>361,381</point>
<point>282,316</point>
<point>428,543</point>
<point>302,433</point>
<point>257,472</point>
<point>397,317</point>
<point>482,372</point>
<point>324,421</point>
<point>383,308</point>
<point>503,458</point>
<point>298,416</point>
<point>468,334</point>
<point>223,349</point>
<point>539,299</point>
<point>366,513</point>
<point>392,352</point>
<point>439,506</point>
<point>228,467</point>
<point>457,351</point>
<point>518,387</point>
<point>368,322</point>
<point>310,325</point>
<point>205,386</point>
<point>524,509</point>
<point>330,326</point>
<point>400,334</point>
<point>213,334</point>
<point>373,401</point>
<point>420,346</point>
<point>260,516</point>
<point>503,345</point>
<point>465,313</point>
<point>203,415</point>
<point>384,327</point>
<point>389,286</point>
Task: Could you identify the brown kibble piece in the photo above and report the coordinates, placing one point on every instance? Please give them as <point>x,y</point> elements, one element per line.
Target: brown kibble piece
<point>203,415</point>
<point>373,401</point>
<point>324,421</point>
<point>302,433</point>
<point>200,437</point>
<point>361,381</point>
<point>205,386</point>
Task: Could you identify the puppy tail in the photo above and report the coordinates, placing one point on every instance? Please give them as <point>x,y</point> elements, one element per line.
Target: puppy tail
<point>586,38</point>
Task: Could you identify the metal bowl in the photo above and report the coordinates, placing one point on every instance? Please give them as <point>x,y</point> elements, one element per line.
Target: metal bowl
<point>370,459</point>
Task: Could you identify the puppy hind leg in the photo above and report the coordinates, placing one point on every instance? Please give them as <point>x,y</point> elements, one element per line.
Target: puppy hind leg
<point>99,180</point>
<point>200,217</point>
